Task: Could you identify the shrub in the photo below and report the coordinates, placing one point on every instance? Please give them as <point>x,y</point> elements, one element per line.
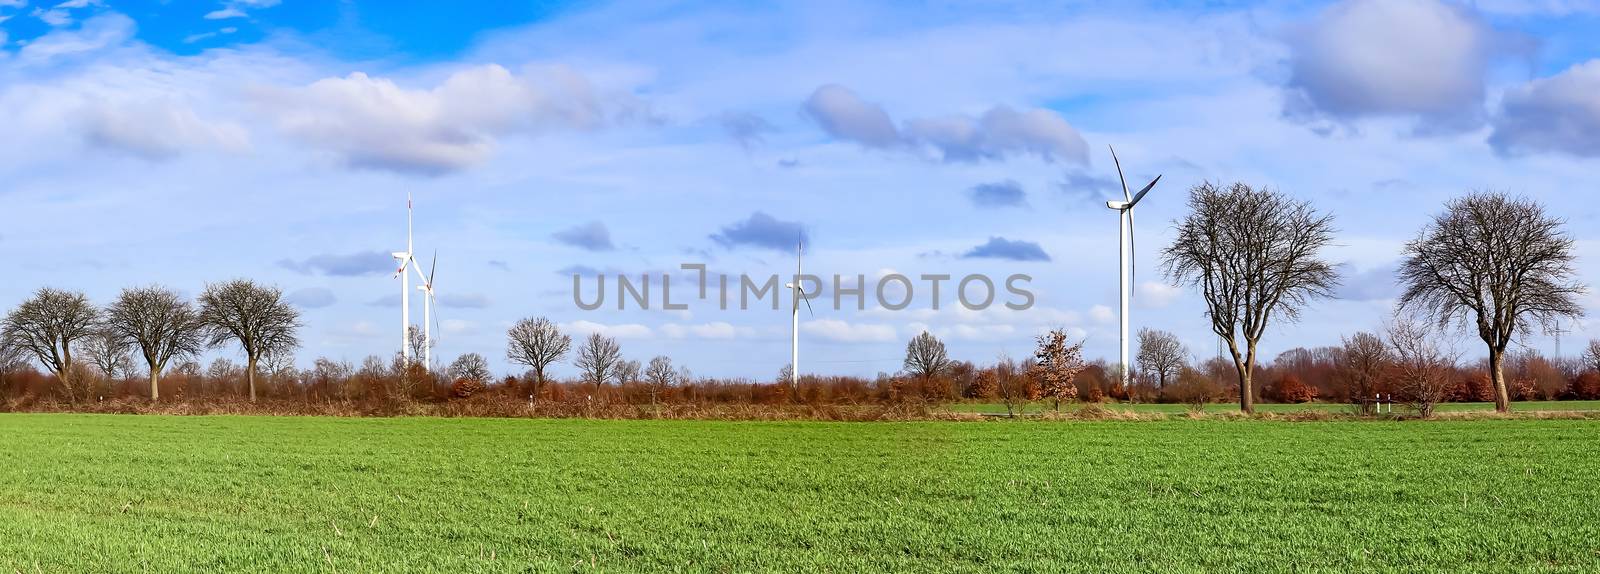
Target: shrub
<point>464,388</point>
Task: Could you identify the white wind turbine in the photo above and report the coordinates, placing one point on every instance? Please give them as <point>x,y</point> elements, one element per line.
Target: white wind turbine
<point>428,303</point>
<point>1125,245</point>
<point>407,259</point>
<point>797,293</point>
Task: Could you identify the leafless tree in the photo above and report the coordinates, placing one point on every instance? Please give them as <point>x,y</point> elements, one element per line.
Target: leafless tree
<point>1362,360</point>
<point>1591,355</point>
<point>660,376</point>
<point>1057,364</point>
<point>598,359</point>
<point>47,325</point>
<point>107,352</point>
<point>1254,256</point>
<point>1423,362</point>
<point>254,316</point>
<point>1162,354</point>
<point>627,372</point>
<point>160,324</point>
<point>925,356</point>
<point>417,344</point>
<point>537,344</point>
<point>1496,265</point>
<point>471,366</point>
<point>1010,381</point>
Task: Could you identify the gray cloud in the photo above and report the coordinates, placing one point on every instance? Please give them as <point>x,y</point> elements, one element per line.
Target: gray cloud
<point>592,236</point>
<point>1560,114</point>
<point>1002,248</point>
<point>311,298</point>
<point>845,116</point>
<point>745,128</point>
<point>498,264</point>
<point>1375,284</point>
<point>1421,58</point>
<point>998,134</point>
<point>1080,187</point>
<point>761,230</point>
<point>1006,193</point>
<point>351,265</point>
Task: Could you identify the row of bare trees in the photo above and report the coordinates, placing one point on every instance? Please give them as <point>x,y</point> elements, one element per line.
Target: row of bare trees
<point>156,323</point>
<point>1489,263</point>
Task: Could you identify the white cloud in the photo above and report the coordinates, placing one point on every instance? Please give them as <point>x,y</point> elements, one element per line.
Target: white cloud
<point>158,129</point>
<point>376,123</point>
<point>458,327</point>
<point>1390,57</point>
<point>237,8</point>
<point>1560,113</point>
<point>94,35</point>
<point>846,332</point>
<point>716,330</point>
<point>618,331</point>
<point>1156,295</point>
<point>1102,314</point>
<point>225,13</point>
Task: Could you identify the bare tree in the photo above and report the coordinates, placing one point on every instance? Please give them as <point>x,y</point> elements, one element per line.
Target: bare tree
<point>47,325</point>
<point>1254,256</point>
<point>417,344</point>
<point>598,359</point>
<point>1495,264</point>
<point>1422,364</point>
<point>1010,382</point>
<point>107,352</point>
<point>471,366</point>
<point>160,323</point>
<point>536,343</point>
<point>660,376</point>
<point>1362,360</point>
<point>254,316</point>
<point>1161,353</point>
<point>1057,364</point>
<point>627,372</point>
<point>1591,355</point>
<point>925,356</point>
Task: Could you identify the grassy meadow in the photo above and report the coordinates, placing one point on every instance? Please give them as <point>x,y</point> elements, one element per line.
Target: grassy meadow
<point>1035,407</point>
<point>114,493</point>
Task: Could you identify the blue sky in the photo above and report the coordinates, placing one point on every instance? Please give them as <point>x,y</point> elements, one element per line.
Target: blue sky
<point>183,142</point>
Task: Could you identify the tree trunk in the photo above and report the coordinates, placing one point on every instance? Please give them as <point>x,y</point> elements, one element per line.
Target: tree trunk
<point>1502,399</point>
<point>250,375</point>
<point>155,382</point>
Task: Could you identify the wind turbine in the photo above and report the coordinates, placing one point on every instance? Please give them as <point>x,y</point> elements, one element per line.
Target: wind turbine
<point>797,293</point>
<point>427,310</point>
<point>1125,244</point>
<point>405,259</point>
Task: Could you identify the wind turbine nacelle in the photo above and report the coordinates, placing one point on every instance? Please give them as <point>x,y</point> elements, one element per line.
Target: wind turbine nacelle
<point>399,254</point>
<point>1117,204</point>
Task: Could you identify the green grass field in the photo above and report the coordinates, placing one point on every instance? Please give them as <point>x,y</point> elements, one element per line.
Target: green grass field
<point>115,493</point>
<point>1169,408</point>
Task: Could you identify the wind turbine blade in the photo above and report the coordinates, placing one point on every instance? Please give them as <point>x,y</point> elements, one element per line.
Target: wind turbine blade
<point>433,306</point>
<point>418,268</point>
<point>808,302</point>
<point>1133,255</point>
<point>1125,194</point>
<point>1141,193</point>
<point>435,265</point>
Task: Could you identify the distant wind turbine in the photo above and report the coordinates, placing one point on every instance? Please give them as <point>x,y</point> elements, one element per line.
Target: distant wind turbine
<point>407,259</point>
<point>428,304</point>
<point>797,293</point>
<point>1126,261</point>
